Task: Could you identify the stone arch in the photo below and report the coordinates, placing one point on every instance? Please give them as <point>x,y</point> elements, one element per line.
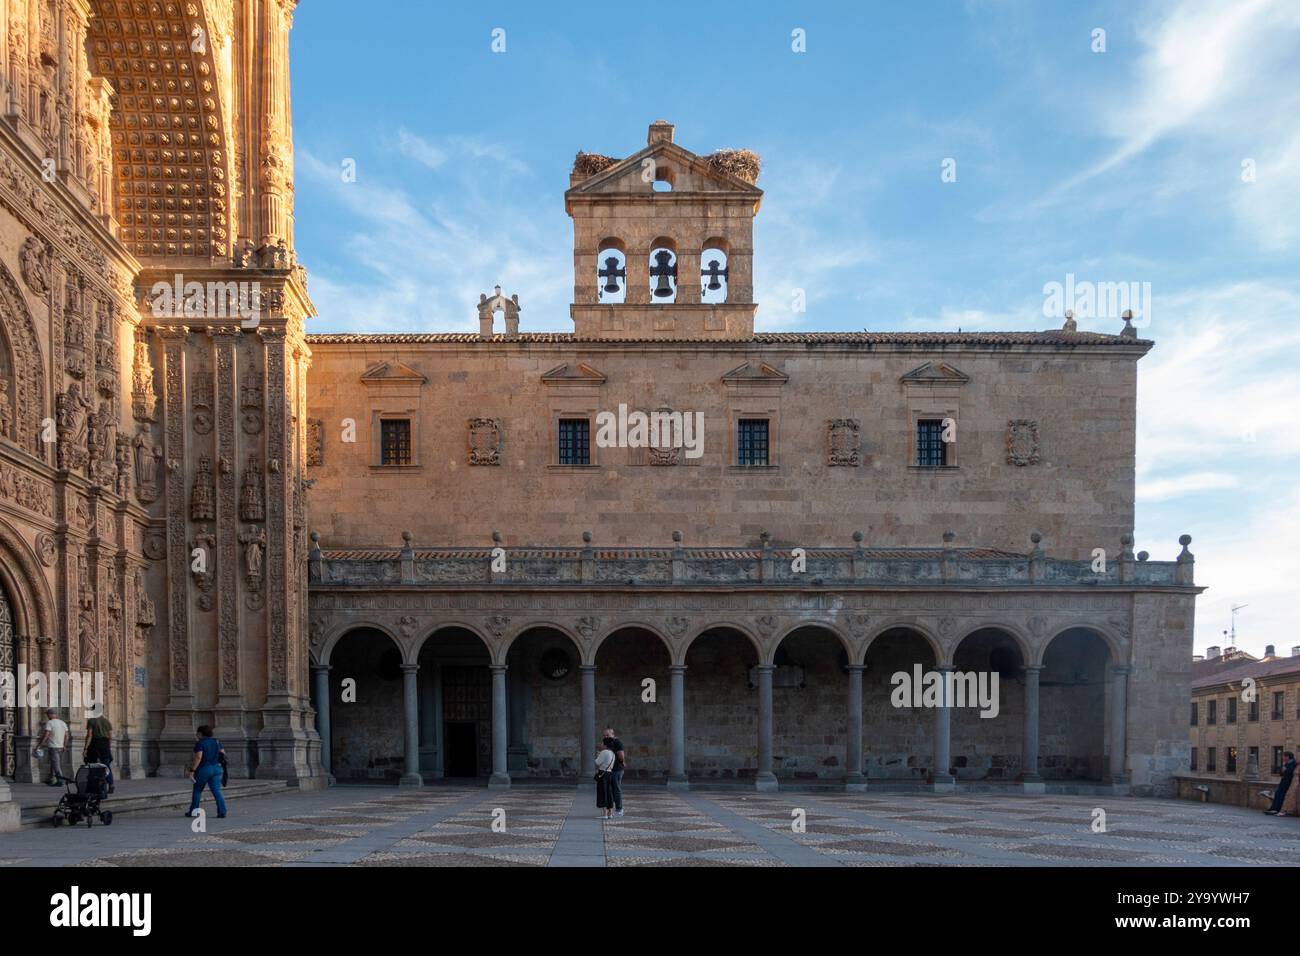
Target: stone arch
<point>850,648</point>
<point>418,646</point>
<point>1026,647</point>
<point>325,651</point>
<point>679,657</point>
<point>28,587</point>
<point>715,249</point>
<point>367,735</point>
<point>194,121</point>
<point>503,652</point>
<point>936,646</point>
<point>1115,646</point>
<point>627,625</point>
<point>611,271</point>
<point>665,248</point>
<point>29,398</point>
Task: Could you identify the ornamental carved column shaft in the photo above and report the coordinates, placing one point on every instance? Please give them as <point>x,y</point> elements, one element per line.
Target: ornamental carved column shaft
<point>178,551</point>
<point>228,588</point>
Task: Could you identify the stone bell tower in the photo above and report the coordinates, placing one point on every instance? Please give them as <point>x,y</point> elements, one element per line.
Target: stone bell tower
<point>663,242</point>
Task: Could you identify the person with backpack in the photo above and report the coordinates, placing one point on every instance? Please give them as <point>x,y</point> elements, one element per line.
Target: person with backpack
<point>207,770</point>
<point>99,745</point>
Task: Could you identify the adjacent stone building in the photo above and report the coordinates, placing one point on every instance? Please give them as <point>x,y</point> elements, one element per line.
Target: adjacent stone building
<point>1245,713</point>
<point>502,559</point>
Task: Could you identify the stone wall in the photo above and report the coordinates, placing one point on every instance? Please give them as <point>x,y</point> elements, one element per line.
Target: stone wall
<point>1079,492</point>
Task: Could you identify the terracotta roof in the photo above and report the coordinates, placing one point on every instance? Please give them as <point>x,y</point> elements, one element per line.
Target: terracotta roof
<point>1054,337</point>
<point>1269,667</point>
<point>663,554</point>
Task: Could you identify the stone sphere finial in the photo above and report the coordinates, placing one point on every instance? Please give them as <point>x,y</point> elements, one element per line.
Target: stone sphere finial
<point>677,536</point>
<point>1143,555</point>
<point>858,536</point>
<point>1184,539</point>
<point>406,537</point>
<point>586,537</point>
<point>1035,537</point>
<point>496,537</point>
<point>949,537</point>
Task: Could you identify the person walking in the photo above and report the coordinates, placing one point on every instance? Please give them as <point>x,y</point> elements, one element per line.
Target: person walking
<point>206,770</point>
<point>1284,785</point>
<point>54,738</point>
<point>99,745</point>
<point>612,743</point>
<point>604,781</point>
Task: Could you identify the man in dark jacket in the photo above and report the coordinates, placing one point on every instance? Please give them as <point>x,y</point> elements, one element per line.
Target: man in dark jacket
<point>1288,773</point>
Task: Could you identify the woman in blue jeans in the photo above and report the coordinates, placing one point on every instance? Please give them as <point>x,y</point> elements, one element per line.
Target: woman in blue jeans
<point>206,771</point>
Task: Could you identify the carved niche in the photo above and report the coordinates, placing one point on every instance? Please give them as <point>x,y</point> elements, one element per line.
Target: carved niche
<point>73,411</point>
<point>252,504</point>
<point>1022,442</point>
<point>35,262</point>
<point>147,457</point>
<point>250,403</point>
<point>201,398</point>
<point>144,401</point>
<point>202,507</point>
<point>842,445</point>
<point>316,443</point>
<point>484,441</point>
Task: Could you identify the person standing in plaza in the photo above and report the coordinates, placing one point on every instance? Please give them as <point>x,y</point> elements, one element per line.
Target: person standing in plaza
<point>54,738</point>
<point>206,770</point>
<point>1285,784</point>
<point>604,781</point>
<point>616,774</point>
<point>99,745</point>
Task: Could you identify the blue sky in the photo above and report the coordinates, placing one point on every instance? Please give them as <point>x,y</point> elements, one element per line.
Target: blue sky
<point>1117,166</point>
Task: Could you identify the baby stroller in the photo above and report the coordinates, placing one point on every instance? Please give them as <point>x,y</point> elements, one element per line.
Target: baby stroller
<point>83,798</point>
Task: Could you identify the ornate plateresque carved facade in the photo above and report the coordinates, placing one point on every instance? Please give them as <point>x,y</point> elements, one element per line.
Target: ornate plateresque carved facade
<point>145,145</point>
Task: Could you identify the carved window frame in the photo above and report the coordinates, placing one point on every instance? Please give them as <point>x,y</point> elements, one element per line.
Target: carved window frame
<point>929,412</point>
<point>377,417</point>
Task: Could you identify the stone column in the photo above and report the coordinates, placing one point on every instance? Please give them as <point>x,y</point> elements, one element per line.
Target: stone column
<point>677,779</point>
<point>1029,776</point>
<point>766,780</point>
<point>10,812</point>
<point>411,700</point>
<point>440,758</point>
<point>853,778</point>
<point>500,778</point>
<point>321,672</point>
<point>587,733</point>
<point>940,776</point>
<point>1118,725</point>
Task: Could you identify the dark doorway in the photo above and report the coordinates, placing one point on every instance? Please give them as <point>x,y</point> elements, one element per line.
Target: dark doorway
<point>462,749</point>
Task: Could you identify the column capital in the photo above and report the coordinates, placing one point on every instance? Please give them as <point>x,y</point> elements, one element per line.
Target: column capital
<point>857,667</point>
<point>409,668</point>
<point>766,668</point>
<point>1034,668</point>
<point>945,668</point>
<point>677,668</point>
<point>1121,670</point>
<point>587,668</point>
<point>318,668</point>
<point>498,668</point>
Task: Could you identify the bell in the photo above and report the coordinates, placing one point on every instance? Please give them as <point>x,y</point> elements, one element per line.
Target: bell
<point>662,270</point>
<point>713,271</point>
<point>612,273</point>
<point>662,287</point>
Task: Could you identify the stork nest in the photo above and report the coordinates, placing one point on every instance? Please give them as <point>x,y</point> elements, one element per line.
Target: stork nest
<point>741,163</point>
<point>589,164</point>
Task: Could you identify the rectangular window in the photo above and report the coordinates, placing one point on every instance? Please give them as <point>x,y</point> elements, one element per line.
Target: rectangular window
<point>1212,712</point>
<point>1193,764</point>
<point>575,441</point>
<point>751,442</point>
<point>1193,713</point>
<point>1231,766</point>
<point>1252,712</point>
<point>395,441</point>
<point>1232,710</point>
<point>931,449</point>
<point>1277,759</point>
<point>1209,759</point>
<point>1279,703</point>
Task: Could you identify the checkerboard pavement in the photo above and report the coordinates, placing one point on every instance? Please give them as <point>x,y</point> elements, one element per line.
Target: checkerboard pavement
<point>540,825</point>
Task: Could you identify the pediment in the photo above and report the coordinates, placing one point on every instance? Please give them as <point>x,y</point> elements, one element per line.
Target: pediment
<point>936,373</point>
<point>755,373</point>
<point>626,174</point>
<point>393,372</point>
<point>573,373</point>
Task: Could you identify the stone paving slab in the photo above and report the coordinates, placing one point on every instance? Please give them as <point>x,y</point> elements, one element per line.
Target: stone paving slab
<point>548,825</point>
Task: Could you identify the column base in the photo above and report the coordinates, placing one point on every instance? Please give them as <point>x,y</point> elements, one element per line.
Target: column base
<point>679,783</point>
<point>943,783</point>
<point>499,781</point>
<point>855,783</point>
<point>411,780</point>
<point>1034,784</point>
<point>10,816</point>
<point>766,783</point>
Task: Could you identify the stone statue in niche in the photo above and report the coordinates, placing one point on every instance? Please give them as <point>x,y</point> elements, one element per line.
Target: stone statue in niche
<point>202,507</point>
<point>147,457</point>
<point>251,501</point>
<point>89,641</point>
<point>6,412</point>
<point>123,462</point>
<point>72,413</point>
<point>34,260</point>
<point>254,542</point>
<point>144,607</point>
